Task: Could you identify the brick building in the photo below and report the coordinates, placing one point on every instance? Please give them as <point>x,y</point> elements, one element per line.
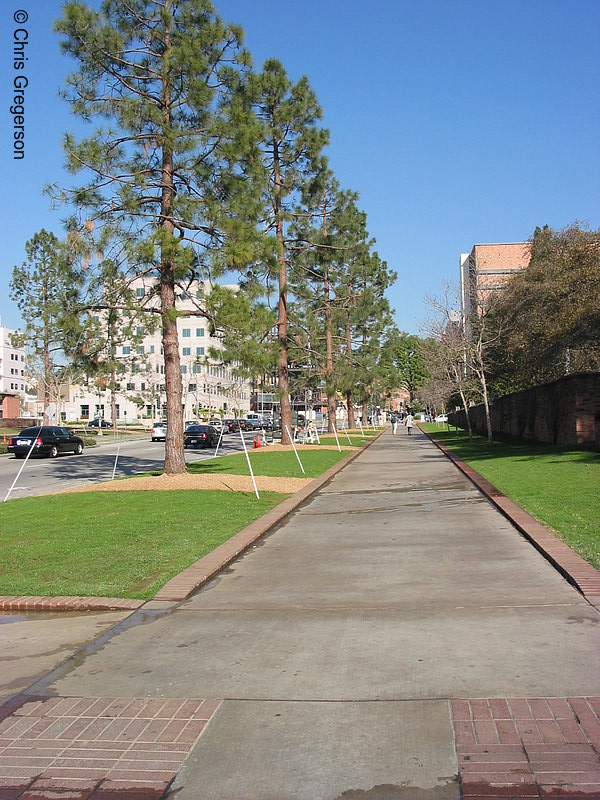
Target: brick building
<point>487,269</point>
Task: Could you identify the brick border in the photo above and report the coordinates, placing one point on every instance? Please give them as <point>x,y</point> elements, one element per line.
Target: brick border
<point>572,566</point>
<point>198,574</point>
<point>66,603</point>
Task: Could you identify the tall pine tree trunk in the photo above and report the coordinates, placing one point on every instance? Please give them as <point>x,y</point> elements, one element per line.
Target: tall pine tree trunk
<point>365,404</point>
<point>174,451</point>
<point>329,385</point>
<point>283,373</point>
<point>350,391</point>
<point>47,367</point>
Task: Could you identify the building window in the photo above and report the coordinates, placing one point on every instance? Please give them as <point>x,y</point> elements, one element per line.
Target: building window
<point>140,291</point>
<point>199,331</point>
<point>186,333</point>
<point>85,412</point>
<point>183,369</point>
<point>140,350</point>
<point>126,350</point>
<point>151,348</point>
<point>196,369</point>
<point>192,387</point>
<point>131,387</point>
<point>187,351</point>
<point>142,387</point>
<point>199,351</point>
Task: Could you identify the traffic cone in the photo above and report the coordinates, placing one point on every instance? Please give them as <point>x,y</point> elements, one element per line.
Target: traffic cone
<point>257,442</point>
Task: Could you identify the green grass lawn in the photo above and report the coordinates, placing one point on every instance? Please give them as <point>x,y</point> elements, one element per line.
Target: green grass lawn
<point>558,486</point>
<point>271,463</point>
<point>129,544</point>
<point>121,544</point>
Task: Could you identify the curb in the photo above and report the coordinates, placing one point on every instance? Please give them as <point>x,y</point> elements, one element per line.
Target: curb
<point>66,603</point>
<point>198,574</point>
<point>571,566</point>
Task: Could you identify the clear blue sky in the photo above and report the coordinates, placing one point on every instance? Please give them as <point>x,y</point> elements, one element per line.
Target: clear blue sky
<point>457,122</point>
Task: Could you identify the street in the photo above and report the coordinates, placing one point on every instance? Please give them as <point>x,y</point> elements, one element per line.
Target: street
<point>133,456</point>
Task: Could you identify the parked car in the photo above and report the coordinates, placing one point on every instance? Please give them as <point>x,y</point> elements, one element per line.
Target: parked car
<point>201,436</point>
<point>47,440</point>
<point>232,425</point>
<point>189,422</point>
<point>217,425</point>
<point>253,424</point>
<point>242,424</point>
<point>99,423</point>
<point>159,432</point>
<point>442,418</point>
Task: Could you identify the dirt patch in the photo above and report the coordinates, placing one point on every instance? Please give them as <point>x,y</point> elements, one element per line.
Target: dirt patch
<point>225,483</point>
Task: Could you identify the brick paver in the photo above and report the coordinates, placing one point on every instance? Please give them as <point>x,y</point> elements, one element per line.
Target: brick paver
<point>96,748</point>
<point>528,747</point>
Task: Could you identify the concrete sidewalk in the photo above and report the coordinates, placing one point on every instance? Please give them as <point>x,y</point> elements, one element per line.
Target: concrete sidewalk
<point>396,638</point>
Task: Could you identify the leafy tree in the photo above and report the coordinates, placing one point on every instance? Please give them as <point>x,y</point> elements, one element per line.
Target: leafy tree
<point>551,311</point>
<point>404,362</point>
<point>42,287</point>
<point>446,351</point>
<point>170,170</point>
<point>292,143</point>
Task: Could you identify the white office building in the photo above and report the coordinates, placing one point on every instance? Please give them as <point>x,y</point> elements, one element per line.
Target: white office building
<point>12,375</point>
<point>209,386</point>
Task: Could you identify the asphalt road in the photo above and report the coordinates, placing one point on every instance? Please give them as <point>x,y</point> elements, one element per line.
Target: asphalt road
<point>96,464</point>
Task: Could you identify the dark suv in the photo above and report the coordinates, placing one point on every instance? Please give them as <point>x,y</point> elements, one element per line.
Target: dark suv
<point>201,436</point>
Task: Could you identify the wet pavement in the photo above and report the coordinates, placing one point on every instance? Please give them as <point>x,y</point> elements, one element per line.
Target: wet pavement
<point>395,638</point>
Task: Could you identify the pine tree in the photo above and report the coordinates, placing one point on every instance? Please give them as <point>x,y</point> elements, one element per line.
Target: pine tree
<point>42,288</point>
<point>170,171</point>
<point>292,144</point>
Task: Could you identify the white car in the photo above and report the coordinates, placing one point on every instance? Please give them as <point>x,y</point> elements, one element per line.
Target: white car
<point>442,418</point>
<point>159,432</point>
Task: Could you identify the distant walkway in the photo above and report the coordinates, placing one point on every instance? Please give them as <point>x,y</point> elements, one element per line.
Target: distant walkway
<point>395,639</point>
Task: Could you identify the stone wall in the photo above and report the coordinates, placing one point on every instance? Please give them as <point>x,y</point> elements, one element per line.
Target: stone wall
<point>564,412</point>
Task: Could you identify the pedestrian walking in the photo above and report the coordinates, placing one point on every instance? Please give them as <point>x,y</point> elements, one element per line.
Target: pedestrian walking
<point>409,421</point>
<point>394,420</point>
